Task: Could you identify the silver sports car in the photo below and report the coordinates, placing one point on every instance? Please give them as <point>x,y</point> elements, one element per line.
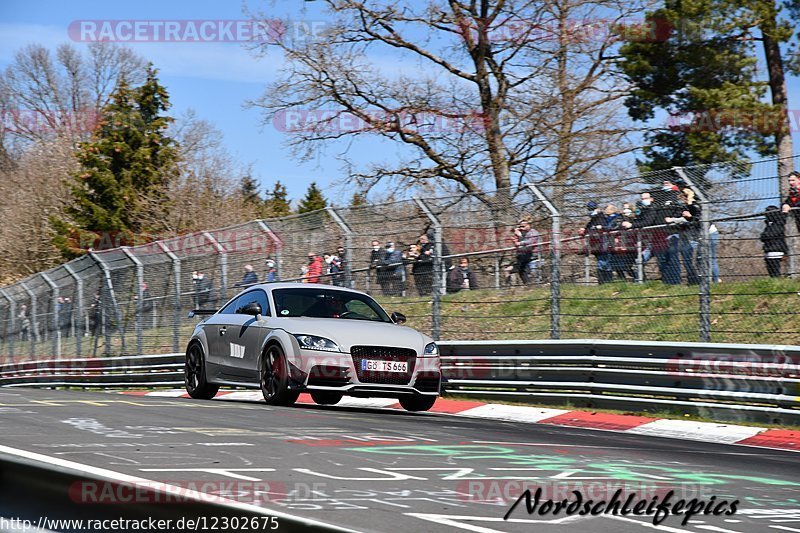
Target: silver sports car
<point>286,338</point>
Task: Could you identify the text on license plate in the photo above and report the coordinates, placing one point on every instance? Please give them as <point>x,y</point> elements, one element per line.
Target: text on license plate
<point>384,366</point>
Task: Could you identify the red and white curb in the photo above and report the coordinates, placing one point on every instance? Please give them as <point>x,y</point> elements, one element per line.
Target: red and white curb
<point>783,439</point>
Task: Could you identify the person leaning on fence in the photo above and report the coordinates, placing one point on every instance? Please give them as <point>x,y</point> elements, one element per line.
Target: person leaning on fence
<point>773,238</point>
<point>375,255</point>
<point>334,269</point>
<point>668,207</point>
<point>96,315</point>
<point>272,270</point>
<point>314,269</point>
<point>461,277</point>
<point>792,202</point>
<point>526,240</point>
<point>202,290</point>
<point>24,322</point>
<point>624,251</point>
<point>422,268</point>
<point>688,224</point>
<point>392,268</point>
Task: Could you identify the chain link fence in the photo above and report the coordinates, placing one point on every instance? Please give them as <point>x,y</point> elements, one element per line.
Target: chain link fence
<point>675,255</point>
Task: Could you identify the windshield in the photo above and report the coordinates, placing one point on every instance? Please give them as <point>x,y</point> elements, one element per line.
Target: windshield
<point>327,303</point>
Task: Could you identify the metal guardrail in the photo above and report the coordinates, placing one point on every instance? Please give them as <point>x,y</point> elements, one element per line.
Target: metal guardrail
<point>723,381</point>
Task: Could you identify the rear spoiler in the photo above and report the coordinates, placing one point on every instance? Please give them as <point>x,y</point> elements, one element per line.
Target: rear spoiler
<point>200,312</point>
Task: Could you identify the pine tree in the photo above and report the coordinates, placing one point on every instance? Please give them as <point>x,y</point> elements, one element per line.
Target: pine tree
<point>313,200</point>
<point>358,199</point>
<point>703,73</point>
<point>277,203</point>
<point>123,168</point>
<point>248,187</point>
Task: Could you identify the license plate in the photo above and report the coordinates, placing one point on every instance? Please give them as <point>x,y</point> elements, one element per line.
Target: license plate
<point>384,366</point>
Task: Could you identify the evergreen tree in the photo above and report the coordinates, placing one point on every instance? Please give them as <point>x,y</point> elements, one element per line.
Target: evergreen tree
<point>358,199</point>
<point>123,169</point>
<point>249,190</point>
<point>704,75</point>
<point>313,200</point>
<point>277,203</point>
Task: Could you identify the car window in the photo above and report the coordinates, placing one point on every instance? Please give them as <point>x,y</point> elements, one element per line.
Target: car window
<point>327,303</point>
<point>258,296</point>
<point>230,309</point>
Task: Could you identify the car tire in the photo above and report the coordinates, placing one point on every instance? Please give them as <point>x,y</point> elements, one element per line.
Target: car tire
<point>417,402</point>
<point>274,378</point>
<point>324,397</point>
<point>194,375</point>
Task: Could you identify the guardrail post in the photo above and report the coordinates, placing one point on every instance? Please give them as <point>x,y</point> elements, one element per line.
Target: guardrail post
<point>555,263</point>
<point>278,247</point>
<point>176,316</point>
<point>56,310</point>
<point>223,265</point>
<point>12,305</point>
<point>348,246</point>
<point>438,278</point>
<point>109,284</point>
<point>33,335</point>
<point>705,257</point>
<point>79,301</point>
<point>139,307</point>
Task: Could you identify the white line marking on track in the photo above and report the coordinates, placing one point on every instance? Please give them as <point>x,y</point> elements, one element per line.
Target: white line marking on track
<point>647,524</point>
<point>786,528</point>
<point>456,521</point>
<point>157,485</point>
<point>717,529</point>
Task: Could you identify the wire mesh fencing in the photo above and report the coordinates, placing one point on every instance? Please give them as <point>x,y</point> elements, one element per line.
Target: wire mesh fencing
<point>685,254</point>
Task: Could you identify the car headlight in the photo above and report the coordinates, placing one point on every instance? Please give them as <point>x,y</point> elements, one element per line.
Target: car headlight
<point>431,349</point>
<point>312,342</point>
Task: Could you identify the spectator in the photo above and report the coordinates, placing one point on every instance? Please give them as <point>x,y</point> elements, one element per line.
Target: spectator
<point>688,234</point>
<point>624,252</point>
<point>595,231</point>
<point>646,216</point>
<point>526,241</point>
<point>606,261</point>
<point>65,316</point>
<point>24,322</point>
<point>792,202</point>
<point>773,239</point>
<point>203,289</point>
<point>334,269</point>
<point>667,208</point>
<point>249,279</point>
<point>422,269</point>
<point>461,277</point>
<point>391,267</point>
<point>315,268</point>
<point>375,255</point>
<point>272,270</point>
<point>341,254</point>
<point>96,315</point>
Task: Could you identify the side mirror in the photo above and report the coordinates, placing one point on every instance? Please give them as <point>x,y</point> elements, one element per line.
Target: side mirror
<point>251,309</point>
<point>398,318</point>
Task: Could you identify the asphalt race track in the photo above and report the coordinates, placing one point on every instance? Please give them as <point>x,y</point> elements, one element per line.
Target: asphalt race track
<point>381,470</point>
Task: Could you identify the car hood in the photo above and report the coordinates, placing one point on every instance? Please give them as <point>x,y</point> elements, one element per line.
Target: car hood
<point>347,333</point>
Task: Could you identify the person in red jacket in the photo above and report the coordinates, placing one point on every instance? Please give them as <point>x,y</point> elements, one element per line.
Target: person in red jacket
<point>315,268</point>
<point>792,202</point>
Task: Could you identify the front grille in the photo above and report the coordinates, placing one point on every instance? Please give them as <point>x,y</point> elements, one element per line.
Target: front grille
<point>383,353</point>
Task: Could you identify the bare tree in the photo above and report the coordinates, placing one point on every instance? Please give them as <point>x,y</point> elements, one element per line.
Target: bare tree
<point>499,91</point>
<point>44,95</point>
<point>205,193</point>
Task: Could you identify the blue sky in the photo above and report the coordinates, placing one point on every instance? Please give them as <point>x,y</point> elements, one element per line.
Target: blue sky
<point>214,79</point>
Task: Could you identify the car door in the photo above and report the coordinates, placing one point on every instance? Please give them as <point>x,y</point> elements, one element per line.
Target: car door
<point>215,329</point>
<point>245,335</point>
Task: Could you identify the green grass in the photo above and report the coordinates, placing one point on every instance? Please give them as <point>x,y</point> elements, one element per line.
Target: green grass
<point>759,311</point>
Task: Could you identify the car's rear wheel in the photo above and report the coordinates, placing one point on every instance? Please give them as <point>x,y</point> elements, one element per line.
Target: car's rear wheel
<point>275,378</point>
<point>417,402</point>
<point>194,375</point>
<point>324,397</point>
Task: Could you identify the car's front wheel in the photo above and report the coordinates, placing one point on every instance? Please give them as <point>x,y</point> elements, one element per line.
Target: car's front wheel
<point>194,375</point>
<point>324,397</point>
<point>417,402</point>
<point>275,378</point>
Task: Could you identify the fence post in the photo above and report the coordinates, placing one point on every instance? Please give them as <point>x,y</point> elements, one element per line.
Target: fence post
<point>278,246</point>
<point>139,307</point>
<point>348,246</point>
<point>79,287</point>
<point>176,315</point>
<point>33,335</point>
<point>438,278</point>
<point>12,306</point>
<point>109,284</point>
<point>56,310</point>
<point>223,265</point>
<point>639,259</point>
<point>555,263</point>
<point>705,256</point>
